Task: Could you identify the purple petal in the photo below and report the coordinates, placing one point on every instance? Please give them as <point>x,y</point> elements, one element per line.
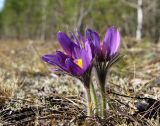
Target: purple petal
<point>81,37</point>
<point>86,56</point>
<point>111,41</point>
<point>77,52</point>
<point>66,43</point>
<point>88,52</point>
<point>51,59</point>
<point>93,37</point>
<point>94,40</point>
<point>57,59</point>
<point>73,68</point>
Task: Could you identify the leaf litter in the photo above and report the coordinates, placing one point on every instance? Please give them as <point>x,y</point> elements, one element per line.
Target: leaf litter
<point>31,95</point>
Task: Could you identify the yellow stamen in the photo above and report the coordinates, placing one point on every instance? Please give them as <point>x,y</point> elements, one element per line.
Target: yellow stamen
<point>79,63</point>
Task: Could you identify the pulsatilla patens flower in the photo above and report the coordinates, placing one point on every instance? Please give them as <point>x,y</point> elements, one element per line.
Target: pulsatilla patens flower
<point>110,44</point>
<point>76,59</point>
<point>81,54</point>
<point>105,56</point>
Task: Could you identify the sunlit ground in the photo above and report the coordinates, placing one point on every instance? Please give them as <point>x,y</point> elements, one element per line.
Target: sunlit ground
<point>31,94</point>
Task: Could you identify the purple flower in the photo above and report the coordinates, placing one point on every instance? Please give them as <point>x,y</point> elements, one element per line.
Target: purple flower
<point>106,54</point>
<point>76,59</point>
<point>109,46</point>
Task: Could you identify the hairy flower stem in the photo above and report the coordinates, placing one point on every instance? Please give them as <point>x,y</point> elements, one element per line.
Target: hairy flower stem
<point>94,98</point>
<point>89,104</point>
<point>103,101</point>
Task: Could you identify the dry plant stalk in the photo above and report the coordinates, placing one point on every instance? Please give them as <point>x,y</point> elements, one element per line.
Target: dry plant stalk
<point>7,90</point>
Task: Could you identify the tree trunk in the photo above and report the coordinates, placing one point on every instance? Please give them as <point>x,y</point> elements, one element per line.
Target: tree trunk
<point>139,20</point>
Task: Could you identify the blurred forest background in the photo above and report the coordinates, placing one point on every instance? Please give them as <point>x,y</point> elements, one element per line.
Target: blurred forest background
<point>42,19</point>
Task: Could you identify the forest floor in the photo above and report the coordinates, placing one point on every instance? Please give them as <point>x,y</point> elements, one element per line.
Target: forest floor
<point>31,95</point>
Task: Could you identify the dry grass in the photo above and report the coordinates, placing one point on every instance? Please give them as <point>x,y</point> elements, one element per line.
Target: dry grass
<point>30,95</point>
